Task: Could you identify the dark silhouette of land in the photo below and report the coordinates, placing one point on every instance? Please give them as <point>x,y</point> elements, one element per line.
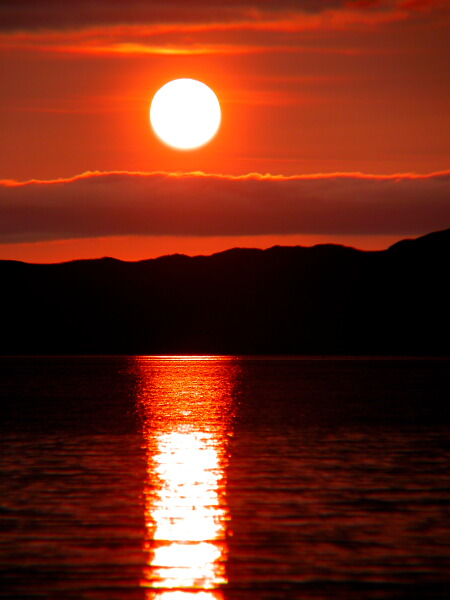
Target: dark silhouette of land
<point>327,299</point>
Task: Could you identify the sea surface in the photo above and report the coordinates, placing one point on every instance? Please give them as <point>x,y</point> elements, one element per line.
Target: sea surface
<point>224,478</point>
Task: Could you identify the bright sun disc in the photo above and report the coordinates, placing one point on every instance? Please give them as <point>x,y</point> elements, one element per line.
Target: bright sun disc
<point>185,113</point>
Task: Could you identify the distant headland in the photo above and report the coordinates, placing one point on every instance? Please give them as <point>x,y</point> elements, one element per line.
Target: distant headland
<point>323,300</point>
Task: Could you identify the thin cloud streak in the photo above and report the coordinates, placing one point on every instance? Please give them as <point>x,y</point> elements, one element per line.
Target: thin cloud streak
<point>225,28</point>
<point>53,14</point>
<point>20,15</point>
<point>195,204</point>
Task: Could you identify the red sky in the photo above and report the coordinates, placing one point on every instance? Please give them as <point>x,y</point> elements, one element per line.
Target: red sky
<point>306,87</point>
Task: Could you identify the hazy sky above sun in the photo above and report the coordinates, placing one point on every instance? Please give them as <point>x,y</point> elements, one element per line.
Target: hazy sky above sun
<point>335,125</point>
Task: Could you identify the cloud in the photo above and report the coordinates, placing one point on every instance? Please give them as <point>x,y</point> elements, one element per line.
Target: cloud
<point>21,15</point>
<point>54,14</point>
<point>182,27</point>
<point>195,204</point>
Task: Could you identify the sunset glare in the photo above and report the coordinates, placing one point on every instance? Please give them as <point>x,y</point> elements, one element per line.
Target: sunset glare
<point>186,415</point>
<point>185,114</point>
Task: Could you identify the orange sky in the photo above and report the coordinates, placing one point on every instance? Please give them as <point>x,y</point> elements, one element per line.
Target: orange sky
<point>306,87</point>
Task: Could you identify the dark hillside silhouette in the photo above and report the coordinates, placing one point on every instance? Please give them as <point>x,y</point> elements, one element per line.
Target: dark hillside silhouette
<point>286,300</point>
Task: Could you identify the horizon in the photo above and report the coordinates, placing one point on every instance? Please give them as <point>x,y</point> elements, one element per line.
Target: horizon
<point>230,249</point>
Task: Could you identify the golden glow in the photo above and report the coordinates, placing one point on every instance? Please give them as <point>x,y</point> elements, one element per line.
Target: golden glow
<point>185,114</point>
<point>186,405</point>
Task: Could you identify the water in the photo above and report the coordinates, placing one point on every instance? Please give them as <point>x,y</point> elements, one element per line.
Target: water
<point>224,478</point>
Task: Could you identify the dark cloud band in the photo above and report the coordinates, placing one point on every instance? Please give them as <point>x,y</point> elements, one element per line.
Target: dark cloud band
<point>107,204</point>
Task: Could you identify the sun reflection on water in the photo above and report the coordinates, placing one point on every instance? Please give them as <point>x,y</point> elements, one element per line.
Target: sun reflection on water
<point>187,407</point>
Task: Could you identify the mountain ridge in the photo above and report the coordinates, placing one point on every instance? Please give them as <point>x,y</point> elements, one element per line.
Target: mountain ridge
<point>325,299</point>
<point>400,244</point>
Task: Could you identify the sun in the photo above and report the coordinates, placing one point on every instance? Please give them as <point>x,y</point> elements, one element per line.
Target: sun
<point>185,114</point>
